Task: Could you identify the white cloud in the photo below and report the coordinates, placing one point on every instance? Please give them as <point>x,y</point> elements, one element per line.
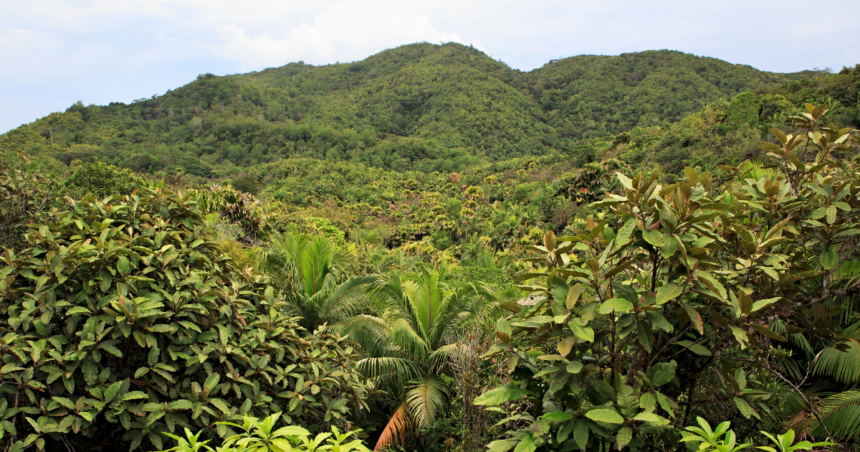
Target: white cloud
<point>344,31</point>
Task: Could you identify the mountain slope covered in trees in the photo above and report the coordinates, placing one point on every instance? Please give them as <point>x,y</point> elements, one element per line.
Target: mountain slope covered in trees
<point>418,107</point>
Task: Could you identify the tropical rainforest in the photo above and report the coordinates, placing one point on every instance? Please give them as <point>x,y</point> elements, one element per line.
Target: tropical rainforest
<point>428,250</point>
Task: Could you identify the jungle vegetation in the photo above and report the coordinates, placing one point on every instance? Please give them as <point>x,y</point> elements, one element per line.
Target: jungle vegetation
<point>428,250</point>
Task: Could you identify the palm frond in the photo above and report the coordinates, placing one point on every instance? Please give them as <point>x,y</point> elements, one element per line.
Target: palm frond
<point>843,366</point>
<point>316,263</point>
<point>390,371</point>
<point>396,430</point>
<point>425,298</point>
<point>841,414</point>
<point>425,399</point>
<point>346,298</point>
<point>445,354</point>
<point>408,339</point>
<point>371,333</point>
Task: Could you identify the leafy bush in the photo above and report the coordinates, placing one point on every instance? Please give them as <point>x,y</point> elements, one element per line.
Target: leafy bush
<point>121,321</point>
<point>682,293</point>
<point>722,439</point>
<point>24,195</point>
<point>260,436</point>
<point>102,179</point>
<point>235,206</point>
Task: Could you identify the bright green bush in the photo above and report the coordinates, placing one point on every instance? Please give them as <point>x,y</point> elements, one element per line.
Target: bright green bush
<point>121,321</point>
<point>261,435</point>
<point>722,439</point>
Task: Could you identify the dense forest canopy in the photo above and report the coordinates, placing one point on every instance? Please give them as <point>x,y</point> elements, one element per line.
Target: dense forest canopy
<point>419,107</point>
<point>427,250</point>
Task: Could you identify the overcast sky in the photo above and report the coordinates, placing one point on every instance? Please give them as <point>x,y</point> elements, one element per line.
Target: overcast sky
<point>54,53</point>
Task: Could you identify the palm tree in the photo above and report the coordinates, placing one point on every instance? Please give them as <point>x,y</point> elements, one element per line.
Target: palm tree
<point>308,271</point>
<point>409,344</point>
<point>472,250</point>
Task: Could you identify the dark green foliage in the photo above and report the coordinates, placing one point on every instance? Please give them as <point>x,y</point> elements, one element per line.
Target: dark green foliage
<point>122,321</point>
<point>24,196</point>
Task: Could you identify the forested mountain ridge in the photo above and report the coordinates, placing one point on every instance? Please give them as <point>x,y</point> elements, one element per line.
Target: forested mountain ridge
<point>592,95</point>
<point>417,107</point>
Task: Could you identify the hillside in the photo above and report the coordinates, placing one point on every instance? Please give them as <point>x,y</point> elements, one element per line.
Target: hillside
<point>418,107</point>
<point>589,95</point>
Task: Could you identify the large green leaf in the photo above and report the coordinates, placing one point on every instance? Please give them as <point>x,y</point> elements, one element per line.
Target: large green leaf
<point>526,444</point>
<point>497,396</point>
<point>667,292</point>
<point>616,305</point>
<point>606,415</point>
<point>502,445</point>
<point>662,373</point>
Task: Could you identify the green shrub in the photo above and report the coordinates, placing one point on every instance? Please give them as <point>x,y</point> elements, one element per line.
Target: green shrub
<point>24,195</point>
<point>261,436</point>
<point>122,321</point>
<point>684,292</point>
<point>235,206</point>
<point>102,180</point>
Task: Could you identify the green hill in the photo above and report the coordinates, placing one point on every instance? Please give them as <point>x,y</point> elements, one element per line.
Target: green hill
<point>589,95</point>
<point>418,107</point>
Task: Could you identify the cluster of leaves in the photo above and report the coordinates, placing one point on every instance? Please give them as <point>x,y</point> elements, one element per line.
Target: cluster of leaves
<point>24,196</point>
<point>101,180</point>
<point>679,293</point>
<point>121,321</point>
<point>261,435</point>
<point>234,206</point>
<point>722,439</point>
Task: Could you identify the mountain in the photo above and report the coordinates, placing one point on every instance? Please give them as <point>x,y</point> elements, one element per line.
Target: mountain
<point>589,95</point>
<point>417,107</point>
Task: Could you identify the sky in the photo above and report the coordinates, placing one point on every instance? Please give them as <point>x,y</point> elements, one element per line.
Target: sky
<point>55,53</point>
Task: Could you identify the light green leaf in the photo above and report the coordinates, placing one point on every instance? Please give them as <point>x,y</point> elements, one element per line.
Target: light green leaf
<point>667,292</point>
<point>500,395</point>
<point>744,407</point>
<point>615,304</point>
<point>502,445</point>
<point>829,259</point>
<point>623,438</point>
<point>527,444</point>
<point>605,415</point>
<point>761,304</point>
<point>583,332</point>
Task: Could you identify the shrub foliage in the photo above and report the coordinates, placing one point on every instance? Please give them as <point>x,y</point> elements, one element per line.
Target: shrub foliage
<point>121,322</point>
